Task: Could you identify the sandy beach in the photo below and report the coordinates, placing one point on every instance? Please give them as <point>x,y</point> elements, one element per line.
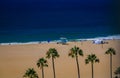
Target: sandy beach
<point>16,59</point>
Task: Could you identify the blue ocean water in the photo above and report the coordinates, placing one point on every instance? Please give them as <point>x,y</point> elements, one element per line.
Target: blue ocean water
<point>32,23</point>
<point>33,35</point>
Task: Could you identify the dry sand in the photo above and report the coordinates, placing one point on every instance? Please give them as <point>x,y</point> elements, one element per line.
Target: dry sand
<point>16,59</point>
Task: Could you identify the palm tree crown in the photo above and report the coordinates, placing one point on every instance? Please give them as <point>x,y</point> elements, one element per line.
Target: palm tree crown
<point>75,51</point>
<point>111,51</point>
<point>91,58</point>
<point>30,73</point>
<point>52,52</point>
<point>42,63</point>
<point>117,71</point>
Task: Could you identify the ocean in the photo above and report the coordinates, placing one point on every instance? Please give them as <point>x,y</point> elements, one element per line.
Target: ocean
<point>34,24</point>
<point>38,35</point>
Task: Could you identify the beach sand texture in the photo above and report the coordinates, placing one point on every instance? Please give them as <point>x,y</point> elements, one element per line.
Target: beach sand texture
<point>16,59</point>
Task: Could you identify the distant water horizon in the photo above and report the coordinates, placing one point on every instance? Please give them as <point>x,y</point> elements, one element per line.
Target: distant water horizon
<point>32,23</point>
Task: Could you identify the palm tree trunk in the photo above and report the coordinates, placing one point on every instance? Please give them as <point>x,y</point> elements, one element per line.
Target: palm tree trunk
<point>110,66</point>
<point>78,67</point>
<point>42,72</point>
<point>92,70</point>
<point>53,67</point>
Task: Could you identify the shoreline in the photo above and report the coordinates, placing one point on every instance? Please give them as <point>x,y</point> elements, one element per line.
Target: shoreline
<point>114,37</point>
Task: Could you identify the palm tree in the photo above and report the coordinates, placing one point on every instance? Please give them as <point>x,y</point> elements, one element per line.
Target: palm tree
<point>75,52</point>
<point>117,72</point>
<point>52,53</point>
<point>42,63</point>
<point>30,73</point>
<point>93,59</point>
<point>111,52</point>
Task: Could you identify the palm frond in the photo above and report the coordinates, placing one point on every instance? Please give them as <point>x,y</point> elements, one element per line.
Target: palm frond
<point>107,52</point>
<point>114,53</point>
<point>45,65</point>
<point>97,60</point>
<point>80,52</point>
<point>48,54</point>
<point>42,62</point>
<point>75,51</point>
<point>86,61</point>
<point>52,52</point>
<point>111,51</point>
<point>92,58</point>
<point>117,71</point>
<point>71,54</point>
<point>30,73</point>
<point>38,64</point>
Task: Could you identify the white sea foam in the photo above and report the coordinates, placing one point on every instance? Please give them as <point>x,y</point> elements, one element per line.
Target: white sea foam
<point>19,43</point>
<point>102,38</point>
<point>108,37</point>
<point>55,41</point>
